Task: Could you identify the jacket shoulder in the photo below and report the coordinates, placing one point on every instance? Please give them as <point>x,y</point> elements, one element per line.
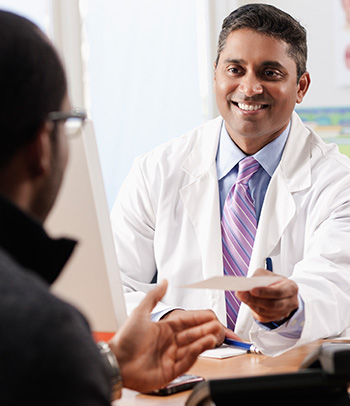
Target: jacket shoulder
<point>329,151</point>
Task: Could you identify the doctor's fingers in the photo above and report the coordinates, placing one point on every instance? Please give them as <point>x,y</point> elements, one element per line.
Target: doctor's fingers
<point>282,289</point>
<point>266,310</point>
<point>269,316</point>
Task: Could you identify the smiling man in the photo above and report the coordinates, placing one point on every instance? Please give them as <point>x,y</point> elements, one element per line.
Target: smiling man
<point>256,88</point>
<point>254,185</point>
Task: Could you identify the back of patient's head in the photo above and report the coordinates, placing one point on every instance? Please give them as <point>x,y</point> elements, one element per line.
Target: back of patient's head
<point>32,82</point>
<point>268,20</point>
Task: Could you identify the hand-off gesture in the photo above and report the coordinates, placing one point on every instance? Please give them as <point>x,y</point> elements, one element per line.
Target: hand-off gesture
<point>274,302</point>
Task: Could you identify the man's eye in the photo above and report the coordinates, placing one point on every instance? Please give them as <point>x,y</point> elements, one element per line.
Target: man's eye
<point>271,74</point>
<point>234,70</point>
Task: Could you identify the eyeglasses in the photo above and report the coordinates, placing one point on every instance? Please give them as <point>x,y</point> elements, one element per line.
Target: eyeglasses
<point>73,120</point>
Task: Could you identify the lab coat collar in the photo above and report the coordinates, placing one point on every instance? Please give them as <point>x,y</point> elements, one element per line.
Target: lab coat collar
<point>202,156</point>
<point>295,161</point>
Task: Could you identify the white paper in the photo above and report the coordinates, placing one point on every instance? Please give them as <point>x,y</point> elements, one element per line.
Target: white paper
<point>224,351</point>
<point>234,283</point>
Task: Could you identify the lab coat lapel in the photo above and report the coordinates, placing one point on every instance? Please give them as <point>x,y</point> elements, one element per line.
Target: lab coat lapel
<point>292,174</point>
<point>277,212</point>
<point>201,197</point>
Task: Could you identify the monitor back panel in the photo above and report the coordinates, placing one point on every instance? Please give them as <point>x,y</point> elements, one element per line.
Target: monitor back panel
<point>91,280</point>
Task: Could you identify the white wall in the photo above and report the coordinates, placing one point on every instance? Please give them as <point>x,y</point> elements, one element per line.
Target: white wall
<point>143,78</point>
<point>36,10</point>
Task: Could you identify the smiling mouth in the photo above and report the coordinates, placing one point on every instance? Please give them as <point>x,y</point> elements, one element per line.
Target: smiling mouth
<point>250,107</point>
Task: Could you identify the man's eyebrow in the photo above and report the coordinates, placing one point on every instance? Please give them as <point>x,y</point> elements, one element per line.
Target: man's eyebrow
<point>235,61</point>
<point>272,64</point>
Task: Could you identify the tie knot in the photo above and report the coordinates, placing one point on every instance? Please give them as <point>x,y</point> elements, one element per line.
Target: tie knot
<point>246,169</point>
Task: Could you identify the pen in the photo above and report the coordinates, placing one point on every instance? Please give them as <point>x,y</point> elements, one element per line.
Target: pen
<point>268,264</point>
<point>241,344</point>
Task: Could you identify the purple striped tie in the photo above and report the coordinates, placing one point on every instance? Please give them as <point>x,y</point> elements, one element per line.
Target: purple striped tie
<point>238,228</point>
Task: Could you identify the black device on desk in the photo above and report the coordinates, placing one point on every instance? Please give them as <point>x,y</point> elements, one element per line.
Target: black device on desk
<point>179,384</point>
<point>322,380</point>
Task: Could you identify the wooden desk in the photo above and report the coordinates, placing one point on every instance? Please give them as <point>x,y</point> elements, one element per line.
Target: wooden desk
<point>239,366</point>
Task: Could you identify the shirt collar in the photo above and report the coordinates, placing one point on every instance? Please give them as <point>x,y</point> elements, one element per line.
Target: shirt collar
<point>228,154</point>
<point>22,237</point>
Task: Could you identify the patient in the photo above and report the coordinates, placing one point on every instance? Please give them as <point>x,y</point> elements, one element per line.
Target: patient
<point>47,354</point>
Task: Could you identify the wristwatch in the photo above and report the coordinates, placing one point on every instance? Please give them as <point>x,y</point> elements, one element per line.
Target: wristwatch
<point>112,367</point>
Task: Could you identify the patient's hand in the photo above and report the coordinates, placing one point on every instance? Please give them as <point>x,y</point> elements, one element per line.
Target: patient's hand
<point>224,331</point>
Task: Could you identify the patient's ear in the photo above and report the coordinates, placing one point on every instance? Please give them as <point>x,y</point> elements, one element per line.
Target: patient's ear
<point>39,151</point>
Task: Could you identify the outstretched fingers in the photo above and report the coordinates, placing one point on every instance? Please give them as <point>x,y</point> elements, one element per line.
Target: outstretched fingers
<point>187,355</point>
<point>153,297</point>
<point>212,329</point>
<point>190,318</point>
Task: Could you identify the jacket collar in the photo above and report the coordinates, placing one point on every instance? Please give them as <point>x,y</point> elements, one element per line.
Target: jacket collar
<point>203,154</point>
<point>26,241</point>
<point>295,161</point>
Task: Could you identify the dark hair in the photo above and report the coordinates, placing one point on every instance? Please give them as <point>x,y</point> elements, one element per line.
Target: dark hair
<point>268,20</point>
<point>32,82</point>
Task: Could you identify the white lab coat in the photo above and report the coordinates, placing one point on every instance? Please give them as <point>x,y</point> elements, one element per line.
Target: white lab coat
<point>167,219</point>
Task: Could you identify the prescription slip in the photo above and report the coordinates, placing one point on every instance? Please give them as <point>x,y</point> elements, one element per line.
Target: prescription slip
<point>234,283</point>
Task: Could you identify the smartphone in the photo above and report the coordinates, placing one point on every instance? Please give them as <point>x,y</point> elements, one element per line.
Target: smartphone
<point>181,383</point>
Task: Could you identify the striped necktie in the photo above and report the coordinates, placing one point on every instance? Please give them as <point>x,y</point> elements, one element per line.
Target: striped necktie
<point>238,228</point>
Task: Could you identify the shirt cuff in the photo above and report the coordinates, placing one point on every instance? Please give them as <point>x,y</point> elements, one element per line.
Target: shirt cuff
<point>158,315</point>
<point>293,327</point>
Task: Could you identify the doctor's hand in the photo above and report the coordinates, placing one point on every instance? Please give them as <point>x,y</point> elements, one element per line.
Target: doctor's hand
<point>275,302</point>
<point>151,354</point>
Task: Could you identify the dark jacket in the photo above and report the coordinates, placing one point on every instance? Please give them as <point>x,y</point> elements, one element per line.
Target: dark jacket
<point>47,354</point>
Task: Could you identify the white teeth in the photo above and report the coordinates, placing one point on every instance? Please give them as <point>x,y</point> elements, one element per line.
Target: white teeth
<point>249,107</point>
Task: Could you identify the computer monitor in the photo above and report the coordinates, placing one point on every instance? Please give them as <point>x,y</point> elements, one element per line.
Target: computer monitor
<point>91,280</point>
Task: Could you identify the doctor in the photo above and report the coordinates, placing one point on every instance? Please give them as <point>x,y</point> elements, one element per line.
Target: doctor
<point>167,217</point>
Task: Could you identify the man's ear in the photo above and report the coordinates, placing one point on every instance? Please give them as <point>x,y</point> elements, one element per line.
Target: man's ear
<point>39,151</point>
<point>303,86</point>
<point>215,66</point>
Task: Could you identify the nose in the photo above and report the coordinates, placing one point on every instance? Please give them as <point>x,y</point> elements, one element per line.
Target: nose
<point>250,85</point>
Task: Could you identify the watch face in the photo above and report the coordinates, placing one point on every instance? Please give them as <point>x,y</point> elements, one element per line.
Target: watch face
<point>112,368</point>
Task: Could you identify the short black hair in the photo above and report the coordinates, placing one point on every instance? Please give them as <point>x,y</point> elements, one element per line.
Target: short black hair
<point>271,21</point>
<point>32,82</point>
